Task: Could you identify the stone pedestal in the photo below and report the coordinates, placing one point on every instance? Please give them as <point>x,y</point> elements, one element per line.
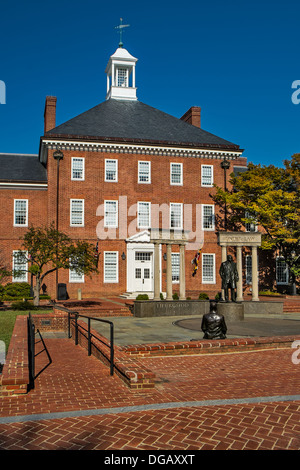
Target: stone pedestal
<point>162,308</point>
<point>232,311</point>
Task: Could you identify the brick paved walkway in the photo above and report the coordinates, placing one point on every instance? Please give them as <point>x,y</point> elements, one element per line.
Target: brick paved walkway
<point>225,401</point>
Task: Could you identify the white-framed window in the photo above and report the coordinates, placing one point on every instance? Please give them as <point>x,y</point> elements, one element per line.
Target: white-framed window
<point>77,171</point>
<point>74,276</point>
<point>144,214</point>
<point>175,215</point>
<point>252,226</point>
<point>77,212</point>
<point>144,172</point>
<point>207,175</point>
<point>282,271</point>
<point>248,264</point>
<point>21,212</point>
<point>176,173</point>
<point>208,217</point>
<point>111,267</point>
<point>208,268</point>
<point>111,170</point>
<point>122,77</point>
<point>20,265</point>
<point>111,214</point>
<point>175,257</point>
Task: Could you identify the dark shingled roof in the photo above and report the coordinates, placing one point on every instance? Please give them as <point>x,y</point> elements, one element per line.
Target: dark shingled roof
<point>138,122</point>
<point>22,168</point>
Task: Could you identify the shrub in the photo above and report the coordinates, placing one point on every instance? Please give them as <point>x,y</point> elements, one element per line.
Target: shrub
<point>26,305</point>
<point>142,297</point>
<point>175,296</point>
<point>218,296</point>
<point>15,290</point>
<point>203,296</point>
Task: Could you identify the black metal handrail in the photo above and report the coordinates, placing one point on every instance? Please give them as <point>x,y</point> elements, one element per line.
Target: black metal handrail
<point>31,332</point>
<point>31,349</point>
<point>76,315</point>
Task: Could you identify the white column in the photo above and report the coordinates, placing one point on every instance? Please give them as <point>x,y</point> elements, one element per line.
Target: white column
<point>169,272</point>
<point>239,291</point>
<point>182,273</point>
<point>224,258</point>
<point>255,297</point>
<point>133,76</point>
<point>113,78</point>
<point>156,272</point>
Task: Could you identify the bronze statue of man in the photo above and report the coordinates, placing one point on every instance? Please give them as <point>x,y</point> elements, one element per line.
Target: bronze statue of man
<point>230,277</point>
<point>213,324</point>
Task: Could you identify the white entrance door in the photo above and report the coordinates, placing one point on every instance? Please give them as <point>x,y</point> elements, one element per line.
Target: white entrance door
<point>143,272</point>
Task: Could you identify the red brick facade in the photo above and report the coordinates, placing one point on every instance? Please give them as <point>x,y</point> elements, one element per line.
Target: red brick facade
<point>94,190</point>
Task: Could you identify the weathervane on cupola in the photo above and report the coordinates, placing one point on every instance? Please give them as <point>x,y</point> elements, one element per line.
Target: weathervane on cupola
<point>120,28</point>
<point>120,72</point>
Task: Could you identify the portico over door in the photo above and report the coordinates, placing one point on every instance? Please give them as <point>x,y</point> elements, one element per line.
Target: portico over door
<point>140,263</point>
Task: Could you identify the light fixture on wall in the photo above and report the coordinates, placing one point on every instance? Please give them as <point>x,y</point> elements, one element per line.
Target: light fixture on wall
<point>123,256</point>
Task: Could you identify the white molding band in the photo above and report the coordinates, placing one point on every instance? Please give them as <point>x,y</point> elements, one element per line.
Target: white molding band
<point>140,149</point>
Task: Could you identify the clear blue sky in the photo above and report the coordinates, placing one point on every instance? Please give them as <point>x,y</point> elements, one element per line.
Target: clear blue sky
<point>236,59</point>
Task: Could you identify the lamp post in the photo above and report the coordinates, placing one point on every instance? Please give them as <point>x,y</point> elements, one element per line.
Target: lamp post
<point>58,156</point>
<point>225,166</point>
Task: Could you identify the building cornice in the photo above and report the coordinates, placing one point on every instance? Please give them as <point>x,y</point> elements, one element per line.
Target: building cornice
<point>159,149</point>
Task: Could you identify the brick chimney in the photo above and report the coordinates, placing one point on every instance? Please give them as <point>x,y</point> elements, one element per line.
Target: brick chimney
<point>193,116</point>
<point>50,113</point>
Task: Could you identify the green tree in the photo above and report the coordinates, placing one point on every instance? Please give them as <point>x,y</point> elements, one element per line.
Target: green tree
<point>45,250</point>
<point>268,197</point>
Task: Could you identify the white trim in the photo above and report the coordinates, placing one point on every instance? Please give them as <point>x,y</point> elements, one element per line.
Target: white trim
<point>14,220</point>
<point>82,223</point>
<point>213,216</point>
<point>287,276</point>
<point>173,254</point>
<point>139,243</point>
<point>117,213</point>
<point>142,149</point>
<point>181,215</point>
<point>111,160</point>
<point>181,174</point>
<point>149,163</point>
<point>109,281</point>
<point>138,215</point>
<point>15,279</point>
<point>75,281</point>
<point>212,176</point>
<point>83,169</point>
<point>42,185</point>
<point>214,268</point>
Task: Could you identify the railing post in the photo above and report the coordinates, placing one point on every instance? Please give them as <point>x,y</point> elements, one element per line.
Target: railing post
<point>69,325</point>
<point>31,349</point>
<point>111,349</point>
<point>89,337</point>
<point>76,329</point>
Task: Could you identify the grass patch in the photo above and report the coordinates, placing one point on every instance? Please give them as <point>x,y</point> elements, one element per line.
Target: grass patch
<point>7,323</point>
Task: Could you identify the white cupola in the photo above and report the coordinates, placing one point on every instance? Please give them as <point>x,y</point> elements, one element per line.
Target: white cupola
<point>120,72</point>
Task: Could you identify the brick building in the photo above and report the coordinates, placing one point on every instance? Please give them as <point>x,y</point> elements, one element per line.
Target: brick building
<point>127,167</point>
